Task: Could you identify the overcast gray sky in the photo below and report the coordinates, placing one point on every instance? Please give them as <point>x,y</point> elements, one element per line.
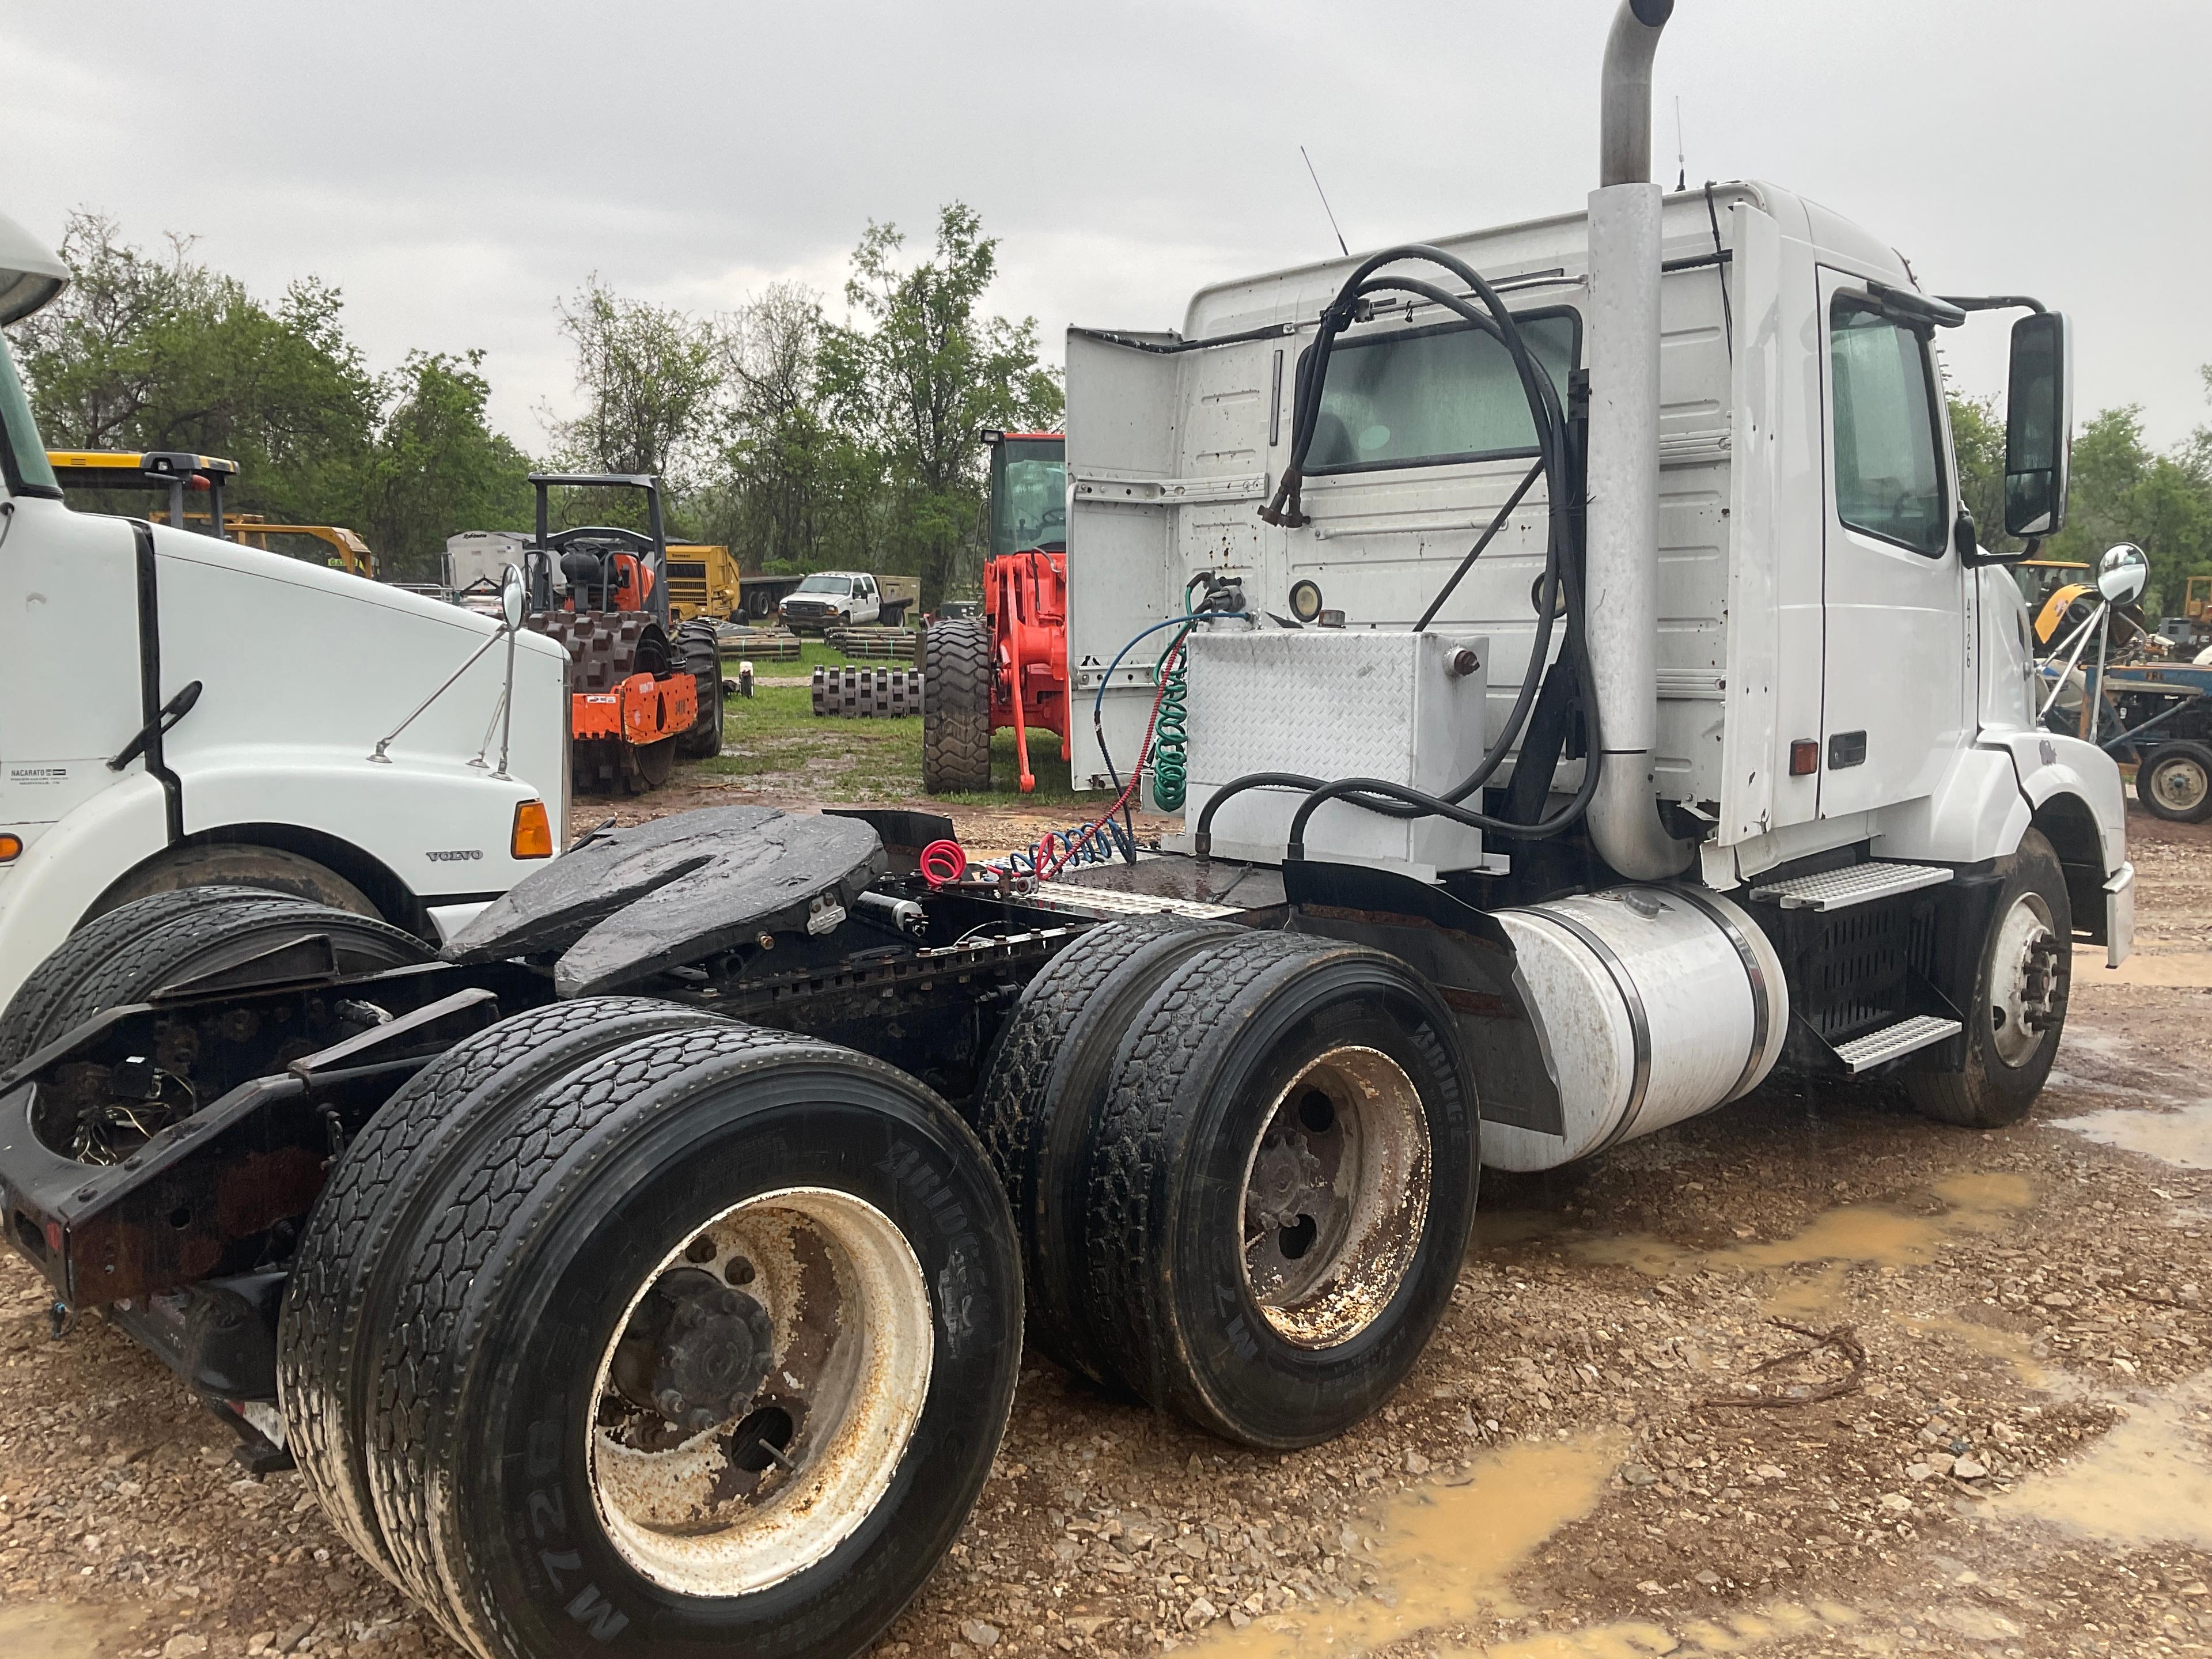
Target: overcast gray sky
<point>456,167</point>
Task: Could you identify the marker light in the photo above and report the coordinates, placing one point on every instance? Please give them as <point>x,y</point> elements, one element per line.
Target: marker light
<point>533,831</point>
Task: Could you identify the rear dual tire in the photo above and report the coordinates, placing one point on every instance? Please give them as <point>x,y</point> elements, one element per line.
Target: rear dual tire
<point>1266,1196</point>
<point>489,1399</point>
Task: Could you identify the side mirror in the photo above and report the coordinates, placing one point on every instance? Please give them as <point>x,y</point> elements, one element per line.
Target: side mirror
<point>2122,573</point>
<point>511,606</point>
<point>2039,425</point>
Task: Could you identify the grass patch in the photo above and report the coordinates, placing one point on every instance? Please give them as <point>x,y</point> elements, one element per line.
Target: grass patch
<point>776,741</point>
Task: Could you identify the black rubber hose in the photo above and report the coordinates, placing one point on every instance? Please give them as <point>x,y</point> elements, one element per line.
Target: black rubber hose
<point>1359,790</point>
<point>1558,463</point>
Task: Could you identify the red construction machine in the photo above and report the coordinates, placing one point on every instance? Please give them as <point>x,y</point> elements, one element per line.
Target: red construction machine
<point>1009,666</point>
<point>641,695</point>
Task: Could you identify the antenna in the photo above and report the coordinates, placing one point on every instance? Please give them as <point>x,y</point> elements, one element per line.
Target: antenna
<point>1681,155</point>
<point>1325,207</point>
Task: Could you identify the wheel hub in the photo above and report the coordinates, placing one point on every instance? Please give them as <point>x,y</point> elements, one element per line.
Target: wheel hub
<point>2180,784</point>
<point>695,1350</point>
<point>1335,1196</point>
<point>1291,1200</point>
<point>2027,991</point>
<point>756,1395</point>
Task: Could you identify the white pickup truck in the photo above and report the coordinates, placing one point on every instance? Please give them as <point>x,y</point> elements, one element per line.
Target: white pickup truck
<point>846,598</point>
<point>179,710</point>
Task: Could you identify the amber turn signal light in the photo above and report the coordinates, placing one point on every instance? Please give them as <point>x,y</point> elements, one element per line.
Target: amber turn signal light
<point>533,831</point>
<point>11,848</point>
<point>1804,758</point>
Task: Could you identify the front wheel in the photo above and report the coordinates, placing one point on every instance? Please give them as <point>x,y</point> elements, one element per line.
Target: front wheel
<point>2018,1008</point>
<point>2174,781</point>
<point>711,1351</point>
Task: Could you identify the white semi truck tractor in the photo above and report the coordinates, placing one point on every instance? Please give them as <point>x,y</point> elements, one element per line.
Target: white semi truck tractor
<point>1607,577</point>
<point>1585,695</point>
<point>179,711</point>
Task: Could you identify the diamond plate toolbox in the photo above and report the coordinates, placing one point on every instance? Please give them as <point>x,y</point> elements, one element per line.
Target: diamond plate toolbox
<point>1335,703</point>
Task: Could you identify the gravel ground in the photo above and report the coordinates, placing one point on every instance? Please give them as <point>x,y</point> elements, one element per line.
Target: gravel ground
<point>1809,1375</point>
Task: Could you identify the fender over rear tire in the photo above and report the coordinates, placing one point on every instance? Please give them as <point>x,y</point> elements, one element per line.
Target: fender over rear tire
<point>956,707</point>
<point>135,949</point>
<point>1044,1088</point>
<point>2018,1008</point>
<point>1280,1187</point>
<point>816,1210</point>
<point>238,864</point>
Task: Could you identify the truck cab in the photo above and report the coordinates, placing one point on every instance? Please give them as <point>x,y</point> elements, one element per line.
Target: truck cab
<point>1671,477</point>
<point>178,709</point>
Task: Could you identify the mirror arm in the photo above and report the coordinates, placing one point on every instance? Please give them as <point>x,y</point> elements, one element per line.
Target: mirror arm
<point>1994,303</point>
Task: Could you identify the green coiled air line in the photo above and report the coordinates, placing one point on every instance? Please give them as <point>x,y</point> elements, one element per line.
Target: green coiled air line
<point>1171,732</point>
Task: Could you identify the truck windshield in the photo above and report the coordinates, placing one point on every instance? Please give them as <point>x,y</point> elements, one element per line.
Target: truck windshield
<point>837,584</point>
<point>1421,397</point>
<point>1029,496</point>
<point>29,473</point>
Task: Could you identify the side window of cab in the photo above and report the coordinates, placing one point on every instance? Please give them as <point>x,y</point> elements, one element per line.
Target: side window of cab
<point>1888,433</point>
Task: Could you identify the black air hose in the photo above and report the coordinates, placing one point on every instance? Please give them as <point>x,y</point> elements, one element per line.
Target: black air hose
<point>1559,461</point>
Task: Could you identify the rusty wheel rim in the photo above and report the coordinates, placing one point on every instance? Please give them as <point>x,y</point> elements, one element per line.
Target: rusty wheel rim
<point>755,1397</point>
<point>1335,1196</point>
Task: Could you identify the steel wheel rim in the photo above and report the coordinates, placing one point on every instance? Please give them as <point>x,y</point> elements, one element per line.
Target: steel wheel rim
<point>772,1486</point>
<point>1334,1198</point>
<point>2024,980</point>
<point>2180,783</point>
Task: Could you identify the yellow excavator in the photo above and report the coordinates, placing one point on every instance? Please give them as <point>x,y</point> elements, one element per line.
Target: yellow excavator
<point>187,478</point>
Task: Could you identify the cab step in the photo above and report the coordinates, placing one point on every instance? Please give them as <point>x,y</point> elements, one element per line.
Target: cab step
<point>1906,1035</point>
<point>1857,884</point>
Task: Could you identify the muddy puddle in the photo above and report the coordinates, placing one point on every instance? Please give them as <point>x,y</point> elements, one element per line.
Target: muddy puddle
<point>1852,1235</point>
<point>2008,1348</point>
<point>2180,1134</point>
<point>1445,1553</point>
<point>2148,1481</point>
<point>1448,1554</point>
<point>68,1630</point>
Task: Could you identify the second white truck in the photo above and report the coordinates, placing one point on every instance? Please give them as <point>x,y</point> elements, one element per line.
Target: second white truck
<point>179,710</point>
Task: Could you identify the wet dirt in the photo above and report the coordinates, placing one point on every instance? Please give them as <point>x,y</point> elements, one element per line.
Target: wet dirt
<point>2148,1481</point>
<point>1444,1553</point>
<point>67,1630</point>
<point>2019,1469</point>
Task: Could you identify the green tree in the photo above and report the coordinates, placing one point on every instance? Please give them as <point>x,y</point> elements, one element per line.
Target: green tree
<point>1978,435</point>
<point>141,353</point>
<point>437,466</point>
<point>653,379</point>
<point>2122,490</point>
<point>925,376</point>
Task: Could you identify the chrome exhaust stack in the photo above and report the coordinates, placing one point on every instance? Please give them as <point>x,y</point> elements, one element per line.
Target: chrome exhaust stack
<point>1621,610</point>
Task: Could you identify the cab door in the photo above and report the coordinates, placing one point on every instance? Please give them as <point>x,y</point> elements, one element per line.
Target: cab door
<point>71,658</point>
<point>1894,704</point>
